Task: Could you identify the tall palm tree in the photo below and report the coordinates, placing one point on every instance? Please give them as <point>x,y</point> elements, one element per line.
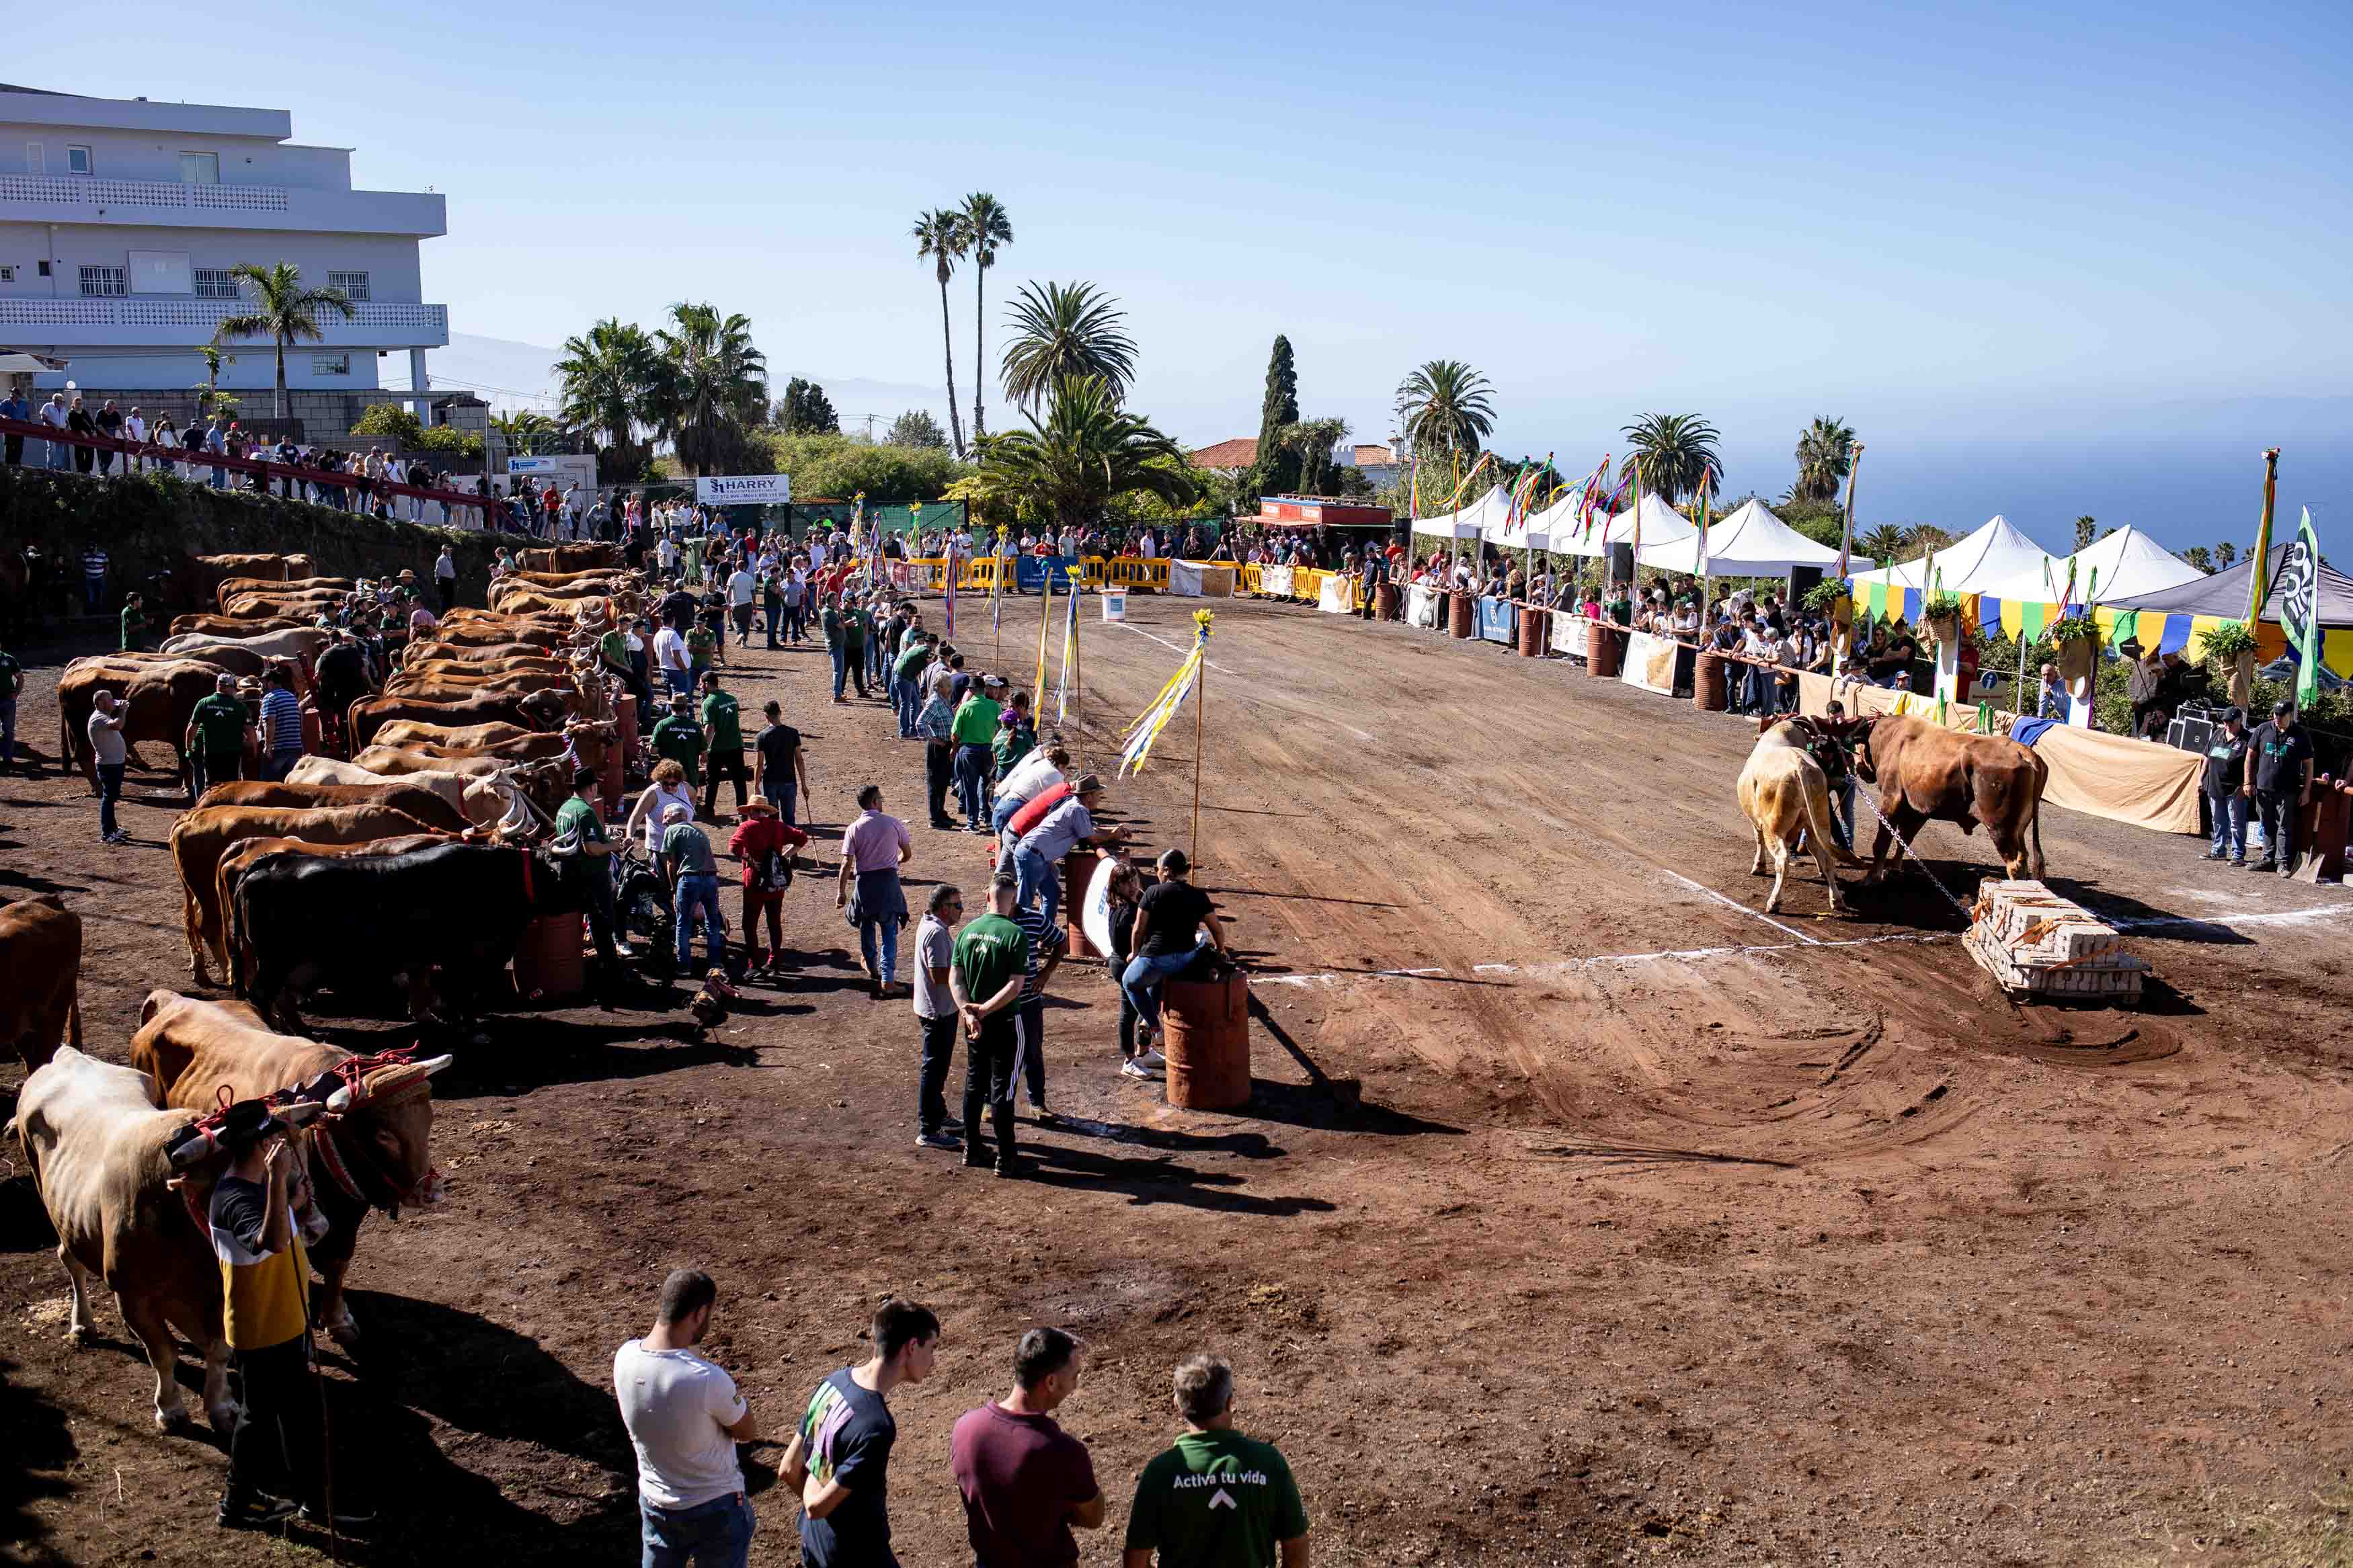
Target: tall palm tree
<point>1065,331</point>
<point>1447,405</point>
<point>1087,450</point>
<point>714,388</point>
<point>607,377</point>
<point>521,428</point>
<point>940,238</point>
<point>986,230</point>
<point>1675,454</point>
<point>1922,537</point>
<point>2225,554</point>
<point>1825,454</point>
<point>283,311</point>
<point>1884,543</point>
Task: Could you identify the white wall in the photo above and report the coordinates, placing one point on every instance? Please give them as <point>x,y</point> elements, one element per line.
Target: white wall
<point>390,260</point>
<point>169,369</point>
<point>155,155</point>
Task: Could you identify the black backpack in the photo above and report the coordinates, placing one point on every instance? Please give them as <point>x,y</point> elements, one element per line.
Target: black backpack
<point>773,872</point>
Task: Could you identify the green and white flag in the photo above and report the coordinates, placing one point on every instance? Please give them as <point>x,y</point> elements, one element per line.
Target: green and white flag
<point>2297,592</point>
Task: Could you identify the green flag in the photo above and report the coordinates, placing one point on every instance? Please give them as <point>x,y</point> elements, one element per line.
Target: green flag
<point>2296,591</point>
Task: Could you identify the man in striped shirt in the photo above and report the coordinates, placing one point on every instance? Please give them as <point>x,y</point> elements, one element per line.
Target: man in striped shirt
<point>1047,943</point>
<point>281,725</point>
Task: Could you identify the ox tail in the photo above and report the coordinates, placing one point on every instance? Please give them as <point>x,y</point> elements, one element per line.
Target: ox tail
<point>1818,828</point>
<point>73,1019</point>
<point>233,936</point>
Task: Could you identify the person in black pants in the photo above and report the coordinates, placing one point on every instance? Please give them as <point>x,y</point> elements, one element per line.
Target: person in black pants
<point>936,1019</point>
<point>2279,756</point>
<point>986,979</point>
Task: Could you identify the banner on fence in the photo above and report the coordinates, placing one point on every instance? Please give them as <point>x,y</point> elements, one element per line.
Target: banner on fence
<point>1568,634</point>
<point>1650,663</point>
<point>1495,621</point>
<point>1332,595</point>
<point>1422,603</point>
<point>743,489</point>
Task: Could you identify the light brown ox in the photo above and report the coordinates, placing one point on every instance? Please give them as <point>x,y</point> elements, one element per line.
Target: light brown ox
<point>202,837</point>
<point>374,1151</point>
<point>231,587</point>
<point>1785,794</point>
<point>41,977</point>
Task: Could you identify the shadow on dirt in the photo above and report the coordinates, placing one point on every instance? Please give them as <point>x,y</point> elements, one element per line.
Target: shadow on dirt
<point>1324,1101</point>
<point>1161,1181</point>
<point>40,1449</point>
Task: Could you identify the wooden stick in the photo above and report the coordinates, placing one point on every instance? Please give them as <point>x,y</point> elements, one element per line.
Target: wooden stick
<point>1201,702</point>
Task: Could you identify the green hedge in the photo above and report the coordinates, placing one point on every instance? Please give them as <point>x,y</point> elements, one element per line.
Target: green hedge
<point>147,523</point>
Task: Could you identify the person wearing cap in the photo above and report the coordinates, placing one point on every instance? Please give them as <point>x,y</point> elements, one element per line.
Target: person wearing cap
<point>1017,736</point>
<point>215,738</point>
<point>2282,785</point>
<point>1037,857</point>
<point>266,1300</point>
<point>693,874</point>
<point>974,730</point>
<point>1169,921</point>
<point>2225,785</point>
<point>906,678</point>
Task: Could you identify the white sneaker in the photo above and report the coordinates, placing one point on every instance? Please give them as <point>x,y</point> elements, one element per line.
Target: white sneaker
<point>1153,1059</point>
<point>1134,1066</point>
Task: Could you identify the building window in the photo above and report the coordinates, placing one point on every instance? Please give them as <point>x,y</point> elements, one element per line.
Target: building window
<point>355,285</point>
<point>105,280</point>
<point>330,365</point>
<point>215,283</point>
<point>78,160</point>
<point>8,275</point>
<point>200,168</point>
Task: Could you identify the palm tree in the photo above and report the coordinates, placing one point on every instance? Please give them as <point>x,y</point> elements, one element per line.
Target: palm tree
<point>1068,467</point>
<point>1675,454</point>
<point>210,398</point>
<point>1825,453</point>
<point>1447,405</point>
<point>1922,537</point>
<point>608,378</point>
<point>940,238</point>
<point>2225,554</point>
<point>1884,543</point>
<point>1065,331</point>
<point>283,311</point>
<point>523,427</point>
<point>985,228</point>
<point>1312,441</point>
<point>714,386</point>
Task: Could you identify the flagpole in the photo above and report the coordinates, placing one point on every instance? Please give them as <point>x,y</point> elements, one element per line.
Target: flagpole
<point>2258,584</point>
<point>1201,702</point>
<point>1846,547</point>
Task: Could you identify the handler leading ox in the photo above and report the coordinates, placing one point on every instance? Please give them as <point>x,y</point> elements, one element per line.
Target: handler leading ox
<point>1784,790</point>
<point>375,1154</point>
<point>1926,773</point>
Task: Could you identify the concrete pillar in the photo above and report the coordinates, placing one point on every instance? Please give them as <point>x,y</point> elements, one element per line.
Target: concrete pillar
<point>420,384</point>
<point>1949,671</point>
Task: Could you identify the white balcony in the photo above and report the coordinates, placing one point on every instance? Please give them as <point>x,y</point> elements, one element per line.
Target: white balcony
<point>171,322</point>
<point>36,198</point>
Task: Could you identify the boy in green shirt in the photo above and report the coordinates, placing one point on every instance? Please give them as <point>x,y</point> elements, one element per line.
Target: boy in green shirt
<point>135,623</point>
<point>1216,1499</point>
<point>700,644</point>
<point>722,728</point>
<point>680,738</point>
<point>991,959</point>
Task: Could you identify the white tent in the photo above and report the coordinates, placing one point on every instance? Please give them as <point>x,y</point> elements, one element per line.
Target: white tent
<point>2129,564</point>
<point>1972,563</point>
<point>1472,521</point>
<point>1750,542</point>
<point>1662,524</point>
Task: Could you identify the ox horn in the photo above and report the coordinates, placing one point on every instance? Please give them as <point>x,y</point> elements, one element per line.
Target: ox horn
<point>345,1098</point>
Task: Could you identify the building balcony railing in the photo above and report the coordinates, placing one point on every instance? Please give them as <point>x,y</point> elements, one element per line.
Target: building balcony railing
<point>50,198</point>
<point>171,322</point>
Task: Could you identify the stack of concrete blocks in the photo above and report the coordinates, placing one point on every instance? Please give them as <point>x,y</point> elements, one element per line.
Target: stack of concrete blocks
<point>2040,946</point>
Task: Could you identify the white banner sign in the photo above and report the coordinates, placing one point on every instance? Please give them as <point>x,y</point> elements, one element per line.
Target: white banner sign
<point>743,489</point>
<point>1568,633</point>
<point>1648,663</point>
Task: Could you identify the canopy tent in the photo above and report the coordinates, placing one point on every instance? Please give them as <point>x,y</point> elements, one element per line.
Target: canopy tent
<point>2174,620</point>
<point>1557,530</point>
<point>1972,565</point>
<point>2117,565</point>
<point>1750,542</point>
<point>1472,521</point>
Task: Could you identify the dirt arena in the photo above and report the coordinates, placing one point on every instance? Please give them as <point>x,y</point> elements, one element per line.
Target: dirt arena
<point>1584,1215</point>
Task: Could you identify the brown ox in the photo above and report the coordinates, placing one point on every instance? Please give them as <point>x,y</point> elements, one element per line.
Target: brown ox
<point>156,695</point>
<point>1926,773</point>
<point>434,650</point>
<point>429,806</point>
<point>536,661</point>
<point>195,584</point>
<point>1785,794</point>
<point>569,558</point>
<point>545,784</point>
<point>255,607</point>
<point>539,710</point>
<point>41,977</point>
<point>202,837</point>
<point>468,739</point>
<point>471,683</point>
<point>374,1151</point>
<point>235,587</point>
<point>233,625</point>
<point>479,799</point>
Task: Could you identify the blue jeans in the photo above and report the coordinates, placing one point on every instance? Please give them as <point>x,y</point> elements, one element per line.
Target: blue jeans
<point>60,455</point>
<point>1842,818</point>
<point>911,703</point>
<point>699,893</point>
<point>715,1534</point>
<point>972,764</point>
<point>850,664</point>
<point>781,794</point>
<point>1037,876</point>
<point>2230,823</point>
<point>1142,983</point>
<point>1003,812</point>
<point>678,683</point>
<point>878,943</point>
<point>93,593</point>
<point>220,478</point>
<point>109,789</point>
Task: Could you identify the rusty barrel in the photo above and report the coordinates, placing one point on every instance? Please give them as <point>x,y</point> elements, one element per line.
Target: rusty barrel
<point>1385,601</point>
<point>624,716</point>
<point>548,963</point>
<point>1709,680</point>
<point>1536,631</point>
<point>1605,647</point>
<point>1463,620</point>
<point>1208,1042</point>
<point>1078,875</point>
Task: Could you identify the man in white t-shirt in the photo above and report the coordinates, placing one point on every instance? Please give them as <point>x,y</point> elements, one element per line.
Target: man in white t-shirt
<point>741,588</point>
<point>684,1418</point>
<point>672,662</point>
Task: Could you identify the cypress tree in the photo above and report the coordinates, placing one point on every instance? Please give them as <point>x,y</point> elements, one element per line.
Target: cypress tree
<point>1277,470</point>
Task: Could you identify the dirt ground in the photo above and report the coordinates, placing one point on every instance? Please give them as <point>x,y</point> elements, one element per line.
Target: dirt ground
<point>1583,1214</point>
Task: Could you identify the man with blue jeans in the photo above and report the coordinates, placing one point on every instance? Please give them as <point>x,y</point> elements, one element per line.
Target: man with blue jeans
<point>1037,857</point>
<point>686,855</point>
<point>2226,783</point>
<point>974,731</point>
<point>873,848</point>
<point>684,1418</point>
<point>1167,939</point>
<point>906,679</point>
<point>110,755</point>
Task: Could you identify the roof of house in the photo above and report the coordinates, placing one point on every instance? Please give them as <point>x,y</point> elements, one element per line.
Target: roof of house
<point>1369,457</point>
<point>1238,453</point>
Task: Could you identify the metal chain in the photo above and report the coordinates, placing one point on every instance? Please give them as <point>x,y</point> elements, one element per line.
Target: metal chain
<point>1967,915</point>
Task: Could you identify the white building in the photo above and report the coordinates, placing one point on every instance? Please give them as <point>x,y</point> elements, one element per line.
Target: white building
<point>120,220</point>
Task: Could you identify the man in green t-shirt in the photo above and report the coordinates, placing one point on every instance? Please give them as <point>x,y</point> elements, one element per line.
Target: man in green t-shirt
<point>1216,1499</point>
<point>680,738</point>
<point>906,677</point>
<point>579,818</point>
<point>702,644</point>
<point>135,623</point>
<point>215,743</point>
<point>991,960</point>
<point>722,729</point>
<point>974,732</point>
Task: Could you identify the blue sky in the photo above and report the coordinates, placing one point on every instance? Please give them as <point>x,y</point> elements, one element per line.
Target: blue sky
<point>2046,260</point>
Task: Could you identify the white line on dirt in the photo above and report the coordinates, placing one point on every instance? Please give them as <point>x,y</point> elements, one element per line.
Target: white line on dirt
<point>1743,908</point>
<point>2266,918</point>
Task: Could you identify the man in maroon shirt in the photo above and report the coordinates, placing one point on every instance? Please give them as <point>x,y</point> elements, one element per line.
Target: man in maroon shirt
<point>1026,1482</point>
